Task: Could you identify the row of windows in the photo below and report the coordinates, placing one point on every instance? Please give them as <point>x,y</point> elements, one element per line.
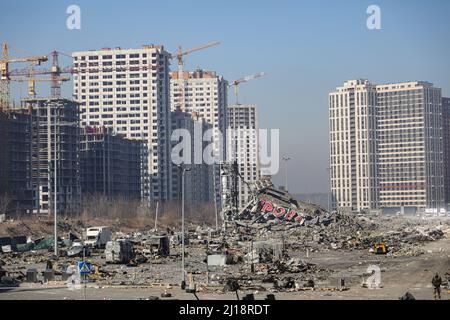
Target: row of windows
<point>117,56</point>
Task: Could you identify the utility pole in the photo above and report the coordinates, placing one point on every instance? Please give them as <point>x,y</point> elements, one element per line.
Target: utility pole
<point>215,197</point>
<point>57,124</point>
<point>156,216</point>
<point>55,193</point>
<point>183,275</point>
<point>329,189</point>
<point>286,159</point>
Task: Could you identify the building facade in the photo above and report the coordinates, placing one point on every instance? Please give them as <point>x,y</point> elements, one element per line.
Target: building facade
<point>446,143</point>
<point>198,180</point>
<point>16,193</point>
<point>54,141</point>
<point>353,145</point>
<point>205,95</point>
<point>110,164</point>
<point>243,147</point>
<point>386,149</point>
<point>410,146</point>
<point>128,90</point>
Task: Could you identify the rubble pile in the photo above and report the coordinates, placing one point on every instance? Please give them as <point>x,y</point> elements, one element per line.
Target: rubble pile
<point>266,246</point>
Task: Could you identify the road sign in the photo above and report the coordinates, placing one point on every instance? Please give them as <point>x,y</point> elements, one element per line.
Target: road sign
<point>84,267</point>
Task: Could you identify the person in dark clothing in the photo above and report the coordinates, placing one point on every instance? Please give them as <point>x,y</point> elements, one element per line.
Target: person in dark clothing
<point>437,282</point>
<point>49,265</point>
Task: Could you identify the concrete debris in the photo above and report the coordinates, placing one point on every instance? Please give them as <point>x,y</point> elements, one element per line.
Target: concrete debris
<point>407,296</point>
<point>219,259</point>
<point>78,249</point>
<point>274,245</point>
<point>120,251</point>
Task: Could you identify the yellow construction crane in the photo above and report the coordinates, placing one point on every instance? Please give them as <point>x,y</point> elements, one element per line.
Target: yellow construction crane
<point>179,56</point>
<point>32,83</point>
<point>181,53</point>
<point>5,76</point>
<point>237,82</point>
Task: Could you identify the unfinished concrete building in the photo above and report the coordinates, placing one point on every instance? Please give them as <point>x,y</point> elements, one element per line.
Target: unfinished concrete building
<point>110,164</point>
<point>54,153</point>
<point>204,93</point>
<point>243,147</point>
<point>16,194</point>
<point>128,89</point>
<point>199,181</point>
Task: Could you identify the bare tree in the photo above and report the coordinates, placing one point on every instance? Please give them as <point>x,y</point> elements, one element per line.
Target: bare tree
<point>5,202</point>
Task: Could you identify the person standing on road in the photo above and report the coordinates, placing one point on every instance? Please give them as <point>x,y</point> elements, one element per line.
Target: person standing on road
<point>437,282</point>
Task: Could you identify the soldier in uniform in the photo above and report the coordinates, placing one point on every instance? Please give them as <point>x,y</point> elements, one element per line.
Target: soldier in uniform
<point>437,282</point>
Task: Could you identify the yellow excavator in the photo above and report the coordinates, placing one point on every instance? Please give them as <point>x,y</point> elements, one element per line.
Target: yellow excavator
<point>380,248</point>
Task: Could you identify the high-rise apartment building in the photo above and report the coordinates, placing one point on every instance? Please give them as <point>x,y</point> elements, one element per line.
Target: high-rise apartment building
<point>54,145</point>
<point>353,142</point>
<point>128,89</point>
<point>386,149</point>
<point>16,193</point>
<point>410,148</point>
<point>446,143</point>
<point>243,147</point>
<point>199,183</point>
<point>204,94</point>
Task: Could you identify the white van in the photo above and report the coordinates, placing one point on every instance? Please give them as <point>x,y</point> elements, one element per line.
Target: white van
<point>97,237</point>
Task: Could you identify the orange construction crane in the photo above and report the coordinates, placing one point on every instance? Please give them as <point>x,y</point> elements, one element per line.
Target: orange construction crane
<point>182,53</point>
<point>5,76</point>
<point>236,83</point>
<point>179,57</point>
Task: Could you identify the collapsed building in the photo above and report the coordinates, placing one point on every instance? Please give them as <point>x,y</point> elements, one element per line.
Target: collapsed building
<point>266,204</point>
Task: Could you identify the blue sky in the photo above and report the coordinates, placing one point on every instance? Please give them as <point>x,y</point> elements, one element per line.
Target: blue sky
<point>307,48</point>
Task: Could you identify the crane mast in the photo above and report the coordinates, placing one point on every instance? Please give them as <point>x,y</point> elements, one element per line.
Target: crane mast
<point>237,82</point>
<point>5,61</point>
<point>179,56</point>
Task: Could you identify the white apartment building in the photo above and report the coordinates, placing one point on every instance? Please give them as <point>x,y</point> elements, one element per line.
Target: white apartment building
<point>352,112</point>
<point>386,149</point>
<point>128,89</point>
<point>205,94</point>
<point>243,146</point>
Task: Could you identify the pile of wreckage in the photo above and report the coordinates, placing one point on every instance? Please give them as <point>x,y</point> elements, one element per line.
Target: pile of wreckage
<point>269,206</point>
<point>21,256</point>
<point>258,246</point>
<point>273,212</point>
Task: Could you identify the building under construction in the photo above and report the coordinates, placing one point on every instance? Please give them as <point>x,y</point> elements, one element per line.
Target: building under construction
<point>110,164</point>
<point>199,181</point>
<point>54,153</point>
<point>15,167</point>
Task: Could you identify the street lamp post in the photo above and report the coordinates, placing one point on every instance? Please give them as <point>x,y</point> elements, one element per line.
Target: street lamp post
<point>286,159</point>
<point>329,189</point>
<point>183,273</point>
<point>55,172</point>
<point>55,186</point>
